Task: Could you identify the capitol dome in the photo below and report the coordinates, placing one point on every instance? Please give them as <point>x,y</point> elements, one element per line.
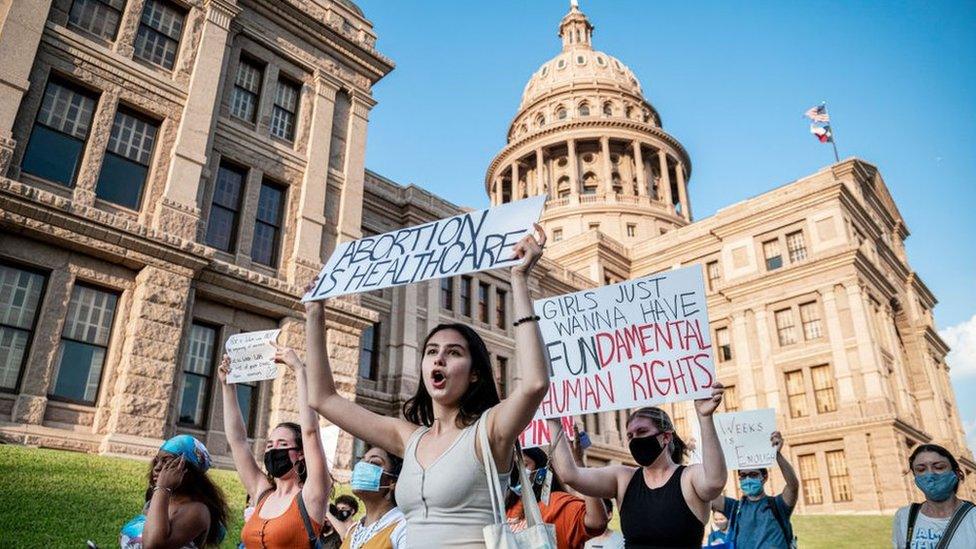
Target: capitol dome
<point>579,65</point>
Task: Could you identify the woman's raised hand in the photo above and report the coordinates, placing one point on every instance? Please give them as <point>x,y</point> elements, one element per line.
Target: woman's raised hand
<point>287,356</point>
<point>223,369</point>
<point>316,306</point>
<point>529,249</point>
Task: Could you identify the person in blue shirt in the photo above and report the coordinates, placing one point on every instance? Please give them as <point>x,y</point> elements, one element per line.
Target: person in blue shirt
<point>760,520</point>
<point>717,538</point>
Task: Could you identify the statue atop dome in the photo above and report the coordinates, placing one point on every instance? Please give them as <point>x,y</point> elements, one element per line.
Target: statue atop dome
<point>575,29</point>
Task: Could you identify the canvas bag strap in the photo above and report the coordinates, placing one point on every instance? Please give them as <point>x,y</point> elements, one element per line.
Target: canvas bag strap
<point>957,518</point>
<point>779,518</point>
<point>530,506</point>
<point>309,531</point>
<point>491,471</point>
<point>912,517</point>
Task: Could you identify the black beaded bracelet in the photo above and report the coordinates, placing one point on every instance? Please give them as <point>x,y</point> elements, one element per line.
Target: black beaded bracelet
<point>533,318</point>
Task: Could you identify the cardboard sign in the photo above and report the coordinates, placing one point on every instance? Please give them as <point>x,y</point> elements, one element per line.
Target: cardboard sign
<point>745,438</point>
<point>538,433</point>
<point>642,342</point>
<point>473,241</point>
<point>252,356</point>
<point>330,443</point>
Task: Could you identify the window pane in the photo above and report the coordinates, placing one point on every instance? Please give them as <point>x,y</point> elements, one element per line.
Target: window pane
<point>121,181</point>
<point>159,33</point>
<point>823,389</point>
<point>810,317</point>
<point>248,76</point>
<point>164,17</point>
<point>269,204</point>
<point>155,48</point>
<point>132,137</point>
<point>221,228</point>
<point>796,394</point>
<point>200,354</point>
<point>466,296</point>
<point>368,353</point>
<point>483,302</point>
<point>66,110</point>
<point>771,252</point>
<point>784,327</point>
<point>193,401</point>
<point>100,18</point>
<point>13,347</point>
<point>264,247</point>
<point>810,475</point>
<point>282,123</point>
<point>247,396</point>
<point>840,480</point>
<point>52,155</point>
<point>79,371</point>
<point>500,310</point>
<point>796,246</point>
<point>227,191</point>
<point>730,399</point>
<point>247,86</point>
<point>90,315</point>
<point>20,293</point>
<point>447,294</point>
<point>286,96</point>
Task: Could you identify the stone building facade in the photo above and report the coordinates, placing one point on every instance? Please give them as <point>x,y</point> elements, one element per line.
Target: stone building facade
<point>173,172</point>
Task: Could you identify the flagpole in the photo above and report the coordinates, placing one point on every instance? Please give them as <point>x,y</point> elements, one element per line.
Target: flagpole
<point>833,139</point>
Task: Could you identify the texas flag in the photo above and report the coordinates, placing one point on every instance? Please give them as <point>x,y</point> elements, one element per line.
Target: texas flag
<point>822,133</point>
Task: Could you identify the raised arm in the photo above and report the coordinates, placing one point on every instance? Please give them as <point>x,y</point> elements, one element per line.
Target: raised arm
<point>513,414</point>
<point>792,490</point>
<point>709,479</point>
<point>596,518</point>
<point>318,483</point>
<point>251,476</point>
<point>596,482</point>
<point>388,433</point>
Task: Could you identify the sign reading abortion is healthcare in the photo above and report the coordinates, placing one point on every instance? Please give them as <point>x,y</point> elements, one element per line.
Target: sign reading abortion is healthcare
<point>473,241</point>
<point>638,343</point>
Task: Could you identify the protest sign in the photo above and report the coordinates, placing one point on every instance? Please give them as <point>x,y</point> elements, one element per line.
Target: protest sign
<point>252,356</point>
<point>642,342</point>
<point>473,241</point>
<point>745,438</point>
<point>538,432</point>
<point>330,443</point>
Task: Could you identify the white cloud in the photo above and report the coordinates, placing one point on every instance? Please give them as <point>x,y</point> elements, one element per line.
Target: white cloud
<point>962,339</point>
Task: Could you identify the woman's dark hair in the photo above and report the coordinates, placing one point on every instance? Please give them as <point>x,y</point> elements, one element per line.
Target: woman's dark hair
<point>300,468</point>
<point>197,486</point>
<point>481,394</point>
<point>677,447</point>
<point>393,468</point>
<point>938,450</point>
<point>541,460</point>
<point>352,502</point>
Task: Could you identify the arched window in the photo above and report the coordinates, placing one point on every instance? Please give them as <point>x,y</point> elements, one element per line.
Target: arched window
<point>561,113</point>
<point>561,64</point>
<point>540,120</point>
<point>562,187</point>
<point>607,109</point>
<point>523,128</point>
<point>600,61</point>
<point>629,112</point>
<point>584,109</point>
<point>590,183</point>
<point>618,186</point>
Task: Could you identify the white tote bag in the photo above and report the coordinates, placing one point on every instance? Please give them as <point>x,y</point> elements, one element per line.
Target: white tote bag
<point>537,534</point>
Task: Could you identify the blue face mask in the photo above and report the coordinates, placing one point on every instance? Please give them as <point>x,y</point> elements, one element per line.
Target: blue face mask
<point>366,477</point>
<point>751,486</point>
<point>937,486</point>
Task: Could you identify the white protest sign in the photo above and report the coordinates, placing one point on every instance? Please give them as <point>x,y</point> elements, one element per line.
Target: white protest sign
<point>745,438</point>
<point>473,241</point>
<point>642,342</point>
<point>330,443</point>
<point>252,356</point>
<point>538,432</point>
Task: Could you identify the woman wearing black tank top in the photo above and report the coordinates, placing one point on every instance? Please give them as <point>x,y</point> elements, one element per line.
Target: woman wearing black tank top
<point>663,504</point>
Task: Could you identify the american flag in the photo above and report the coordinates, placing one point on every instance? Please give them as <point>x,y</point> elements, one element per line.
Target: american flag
<point>818,114</point>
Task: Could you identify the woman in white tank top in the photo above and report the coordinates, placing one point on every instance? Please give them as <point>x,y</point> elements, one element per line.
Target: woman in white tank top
<point>442,488</point>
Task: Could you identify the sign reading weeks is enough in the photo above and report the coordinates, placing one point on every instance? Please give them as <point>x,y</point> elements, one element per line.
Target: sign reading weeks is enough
<point>638,343</point>
<point>473,241</point>
<point>745,438</point>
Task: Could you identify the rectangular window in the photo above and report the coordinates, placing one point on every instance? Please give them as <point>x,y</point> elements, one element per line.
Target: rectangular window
<point>447,294</point>
<point>222,226</point>
<point>501,381</point>
<point>285,110</point>
<point>84,343</point>
<point>99,17</point>
<point>267,224</point>
<point>198,366</point>
<point>247,88</point>
<point>714,275</point>
<point>501,316</point>
<point>840,478</point>
<point>724,344</point>
<point>483,290</point>
<point>810,478</point>
<point>774,260</point>
<point>631,229</point>
<point>810,317</point>
<point>784,327</point>
<point>126,162</point>
<point>60,131</point>
<point>557,235</point>
<point>730,399</point>
<point>823,389</point>
<point>466,295</point>
<point>160,28</point>
<point>247,399</point>
<point>594,226</point>
<point>796,246</point>
<point>796,394</point>
<point>20,299</point>
<point>369,353</point>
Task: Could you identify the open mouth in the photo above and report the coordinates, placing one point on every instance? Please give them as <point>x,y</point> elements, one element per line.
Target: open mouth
<point>438,379</point>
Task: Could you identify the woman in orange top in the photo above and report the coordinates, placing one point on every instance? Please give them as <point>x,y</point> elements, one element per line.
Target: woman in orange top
<point>295,463</point>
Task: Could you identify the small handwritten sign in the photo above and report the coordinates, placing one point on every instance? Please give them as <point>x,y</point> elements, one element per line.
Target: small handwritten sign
<point>638,343</point>
<point>472,241</point>
<point>539,433</point>
<point>745,438</point>
<point>252,356</point>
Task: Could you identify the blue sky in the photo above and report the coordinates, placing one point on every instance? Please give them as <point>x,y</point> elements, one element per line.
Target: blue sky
<point>731,81</point>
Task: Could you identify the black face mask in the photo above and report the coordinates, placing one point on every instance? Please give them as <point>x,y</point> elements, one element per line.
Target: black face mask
<point>341,514</point>
<point>645,450</point>
<point>277,462</point>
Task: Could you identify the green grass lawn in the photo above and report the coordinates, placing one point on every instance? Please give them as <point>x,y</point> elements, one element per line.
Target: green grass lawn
<point>51,498</point>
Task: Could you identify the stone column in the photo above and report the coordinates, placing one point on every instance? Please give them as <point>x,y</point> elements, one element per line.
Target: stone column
<point>769,371</point>
<point>607,168</point>
<point>404,346</point>
<point>350,221</point>
<point>664,184</point>
<point>639,169</point>
<point>574,189</point>
<point>21,26</point>
<point>541,185</point>
<point>516,186</point>
<point>178,212</point>
<point>743,362</point>
<point>842,370</point>
<point>306,255</point>
<point>679,171</point>
<point>870,365</point>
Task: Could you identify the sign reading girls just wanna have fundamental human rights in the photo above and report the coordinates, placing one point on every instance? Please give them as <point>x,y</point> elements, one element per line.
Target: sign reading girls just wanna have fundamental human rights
<point>466,243</point>
<point>638,343</point>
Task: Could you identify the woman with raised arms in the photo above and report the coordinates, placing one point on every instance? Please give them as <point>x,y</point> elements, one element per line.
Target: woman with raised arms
<point>442,488</point>
<point>663,503</point>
